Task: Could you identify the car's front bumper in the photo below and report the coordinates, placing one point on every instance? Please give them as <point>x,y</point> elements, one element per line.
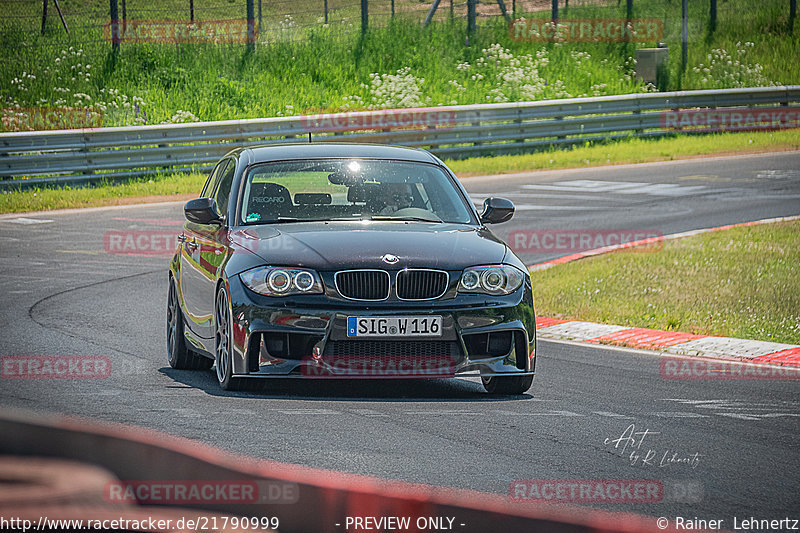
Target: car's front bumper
<point>307,337</point>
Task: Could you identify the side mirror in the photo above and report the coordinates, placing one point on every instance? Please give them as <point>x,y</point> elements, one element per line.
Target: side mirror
<point>497,210</point>
<point>202,211</point>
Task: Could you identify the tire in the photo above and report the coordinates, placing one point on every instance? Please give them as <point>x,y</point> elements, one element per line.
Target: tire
<point>507,385</point>
<point>223,339</point>
<point>178,354</point>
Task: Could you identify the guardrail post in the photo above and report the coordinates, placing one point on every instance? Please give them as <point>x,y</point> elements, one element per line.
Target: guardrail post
<point>561,137</point>
<point>44,15</point>
<point>477,123</point>
<point>124,17</point>
<point>364,16</point>
<point>85,149</point>
<point>684,35</point>
<point>472,13</point>
<point>114,27</point>
<point>432,136</point>
<point>712,16</point>
<point>638,111</point>
<point>166,167</point>
<point>251,26</point>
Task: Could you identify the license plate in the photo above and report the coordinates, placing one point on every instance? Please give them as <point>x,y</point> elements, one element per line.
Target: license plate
<point>394,326</point>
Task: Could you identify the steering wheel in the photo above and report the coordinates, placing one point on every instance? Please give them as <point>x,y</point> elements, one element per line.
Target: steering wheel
<point>416,212</point>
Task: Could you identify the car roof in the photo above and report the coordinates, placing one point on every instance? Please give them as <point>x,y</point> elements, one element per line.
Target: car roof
<point>279,152</point>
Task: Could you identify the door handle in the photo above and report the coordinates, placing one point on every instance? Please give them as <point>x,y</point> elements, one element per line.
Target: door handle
<point>181,238</point>
<point>191,246</point>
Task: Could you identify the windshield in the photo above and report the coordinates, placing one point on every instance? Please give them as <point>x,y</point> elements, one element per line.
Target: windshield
<point>351,189</point>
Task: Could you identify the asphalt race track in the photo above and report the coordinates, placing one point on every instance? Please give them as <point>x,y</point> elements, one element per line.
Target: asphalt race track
<point>66,292</point>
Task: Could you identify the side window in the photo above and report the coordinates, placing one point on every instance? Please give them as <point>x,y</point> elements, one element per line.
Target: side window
<point>223,191</point>
<point>212,179</point>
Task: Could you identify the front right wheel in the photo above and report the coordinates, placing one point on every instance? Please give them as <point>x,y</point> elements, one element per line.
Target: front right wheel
<point>223,338</point>
<point>507,385</point>
<point>178,354</point>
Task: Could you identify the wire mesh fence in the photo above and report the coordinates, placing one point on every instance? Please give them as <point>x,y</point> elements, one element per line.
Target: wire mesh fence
<point>30,27</point>
<point>57,58</point>
<point>26,25</point>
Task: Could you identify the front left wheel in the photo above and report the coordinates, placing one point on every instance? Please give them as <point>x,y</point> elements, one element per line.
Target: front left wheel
<point>223,338</point>
<point>178,354</point>
<point>508,385</point>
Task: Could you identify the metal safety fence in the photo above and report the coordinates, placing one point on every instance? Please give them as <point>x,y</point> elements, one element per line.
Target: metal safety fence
<point>80,156</point>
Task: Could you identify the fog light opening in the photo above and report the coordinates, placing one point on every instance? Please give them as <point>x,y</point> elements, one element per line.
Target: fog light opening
<point>520,348</point>
<point>275,344</point>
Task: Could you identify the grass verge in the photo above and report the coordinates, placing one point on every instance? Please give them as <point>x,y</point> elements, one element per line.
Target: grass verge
<point>175,186</point>
<point>742,282</point>
<point>157,189</point>
<point>630,151</point>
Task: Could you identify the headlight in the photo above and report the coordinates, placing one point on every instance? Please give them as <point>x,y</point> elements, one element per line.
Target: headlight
<point>281,281</point>
<point>491,279</point>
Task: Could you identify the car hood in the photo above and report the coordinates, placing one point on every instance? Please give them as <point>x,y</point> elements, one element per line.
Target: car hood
<point>339,245</point>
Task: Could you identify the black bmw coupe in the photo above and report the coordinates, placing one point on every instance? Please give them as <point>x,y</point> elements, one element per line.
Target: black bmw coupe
<point>347,261</point>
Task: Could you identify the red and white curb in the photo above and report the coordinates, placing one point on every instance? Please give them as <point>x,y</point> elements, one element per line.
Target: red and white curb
<point>667,342</point>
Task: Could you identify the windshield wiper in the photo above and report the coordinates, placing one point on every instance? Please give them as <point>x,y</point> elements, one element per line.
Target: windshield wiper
<point>281,220</point>
<point>406,218</point>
